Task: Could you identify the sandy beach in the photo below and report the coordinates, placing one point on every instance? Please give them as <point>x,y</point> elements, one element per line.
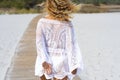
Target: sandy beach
<point>97,34</point>
<point>99,40</point>
<point>12,28</point>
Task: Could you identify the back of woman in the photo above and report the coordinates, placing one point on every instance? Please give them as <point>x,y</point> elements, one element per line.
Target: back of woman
<point>58,53</point>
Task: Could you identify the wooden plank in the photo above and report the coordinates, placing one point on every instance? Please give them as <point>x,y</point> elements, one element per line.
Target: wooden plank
<point>22,66</point>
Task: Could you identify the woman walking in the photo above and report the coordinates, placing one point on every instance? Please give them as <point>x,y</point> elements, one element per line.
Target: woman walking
<point>58,54</point>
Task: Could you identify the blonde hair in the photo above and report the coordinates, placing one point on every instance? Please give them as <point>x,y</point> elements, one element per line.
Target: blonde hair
<point>60,9</point>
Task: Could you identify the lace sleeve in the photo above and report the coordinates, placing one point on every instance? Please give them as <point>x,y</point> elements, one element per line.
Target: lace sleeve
<point>40,44</point>
<point>76,56</point>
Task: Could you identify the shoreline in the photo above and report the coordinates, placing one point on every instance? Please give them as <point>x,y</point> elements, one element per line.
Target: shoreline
<point>82,8</point>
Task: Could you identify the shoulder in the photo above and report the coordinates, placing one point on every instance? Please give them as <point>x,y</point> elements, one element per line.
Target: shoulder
<point>39,24</point>
<point>53,21</point>
<point>40,20</point>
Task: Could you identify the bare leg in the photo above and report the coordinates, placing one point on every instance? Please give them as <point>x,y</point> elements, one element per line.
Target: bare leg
<point>43,78</point>
<point>65,78</point>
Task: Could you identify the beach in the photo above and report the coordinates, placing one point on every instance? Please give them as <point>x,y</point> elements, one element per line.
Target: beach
<point>12,28</point>
<point>99,39</point>
<point>97,35</point>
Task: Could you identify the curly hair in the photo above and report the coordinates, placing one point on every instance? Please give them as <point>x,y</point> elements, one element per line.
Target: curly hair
<point>60,9</point>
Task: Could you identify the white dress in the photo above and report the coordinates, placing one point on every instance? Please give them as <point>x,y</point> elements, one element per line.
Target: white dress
<point>56,44</point>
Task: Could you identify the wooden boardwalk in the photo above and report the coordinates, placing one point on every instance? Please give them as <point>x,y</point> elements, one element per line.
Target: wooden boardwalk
<point>22,66</point>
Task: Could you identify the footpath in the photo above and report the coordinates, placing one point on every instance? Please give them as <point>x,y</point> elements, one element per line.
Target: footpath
<point>22,66</point>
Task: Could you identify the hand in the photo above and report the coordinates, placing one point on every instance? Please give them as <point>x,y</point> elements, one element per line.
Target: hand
<point>47,67</point>
<point>74,71</point>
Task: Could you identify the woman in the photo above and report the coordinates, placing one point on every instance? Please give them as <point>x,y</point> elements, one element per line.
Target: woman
<point>58,55</point>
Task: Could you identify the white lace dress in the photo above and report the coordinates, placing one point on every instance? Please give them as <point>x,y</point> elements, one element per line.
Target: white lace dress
<point>56,44</point>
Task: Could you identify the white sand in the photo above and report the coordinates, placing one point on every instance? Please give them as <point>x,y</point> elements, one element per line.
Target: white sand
<point>99,39</point>
<point>12,28</point>
<point>97,34</point>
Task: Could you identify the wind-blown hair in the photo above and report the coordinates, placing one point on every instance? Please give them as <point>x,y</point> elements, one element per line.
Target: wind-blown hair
<point>60,9</point>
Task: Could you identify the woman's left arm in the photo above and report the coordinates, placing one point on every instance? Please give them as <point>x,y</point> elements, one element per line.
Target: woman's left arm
<point>76,54</point>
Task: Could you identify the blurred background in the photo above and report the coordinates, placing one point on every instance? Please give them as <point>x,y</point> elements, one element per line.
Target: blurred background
<point>35,6</point>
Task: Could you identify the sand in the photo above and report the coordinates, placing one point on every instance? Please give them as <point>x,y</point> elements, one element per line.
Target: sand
<point>99,40</point>
<point>12,28</point>
<point>98,36</point>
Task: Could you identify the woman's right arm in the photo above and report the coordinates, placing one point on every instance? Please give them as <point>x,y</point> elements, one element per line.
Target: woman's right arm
<point>41,48</point>
<point>40,43</point>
